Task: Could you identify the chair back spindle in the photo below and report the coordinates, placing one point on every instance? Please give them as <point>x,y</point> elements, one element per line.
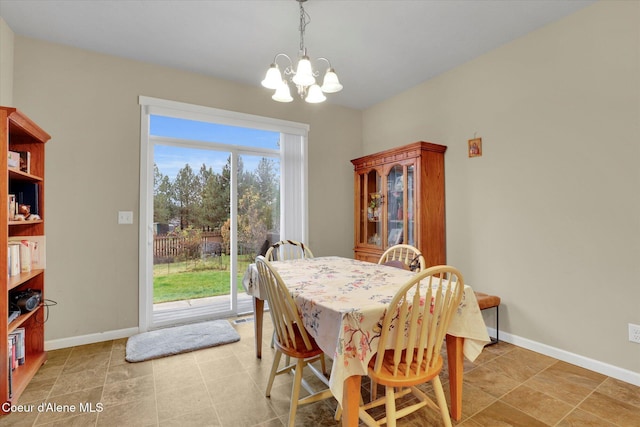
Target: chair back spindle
<point>287,250</point>
<point>408,256</point>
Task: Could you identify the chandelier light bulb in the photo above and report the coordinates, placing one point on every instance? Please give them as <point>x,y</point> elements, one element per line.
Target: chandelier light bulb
<point>331,84</point>
<point>283,94</point>
<point>273,78</point>
<point>304,73</point>
<point>315,95</point>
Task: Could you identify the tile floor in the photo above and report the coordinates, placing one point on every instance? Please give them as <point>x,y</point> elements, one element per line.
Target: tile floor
<point>224,386</point>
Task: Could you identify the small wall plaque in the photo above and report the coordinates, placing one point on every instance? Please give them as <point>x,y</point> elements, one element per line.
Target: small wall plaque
<point>475,147</point>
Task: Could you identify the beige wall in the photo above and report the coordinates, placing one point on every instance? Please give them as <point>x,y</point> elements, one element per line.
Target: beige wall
<point>6,63</point>
<point>548,217</point>
<point>89,104</point>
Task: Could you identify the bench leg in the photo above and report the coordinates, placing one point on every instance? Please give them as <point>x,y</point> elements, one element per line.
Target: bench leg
<point>497,338</point>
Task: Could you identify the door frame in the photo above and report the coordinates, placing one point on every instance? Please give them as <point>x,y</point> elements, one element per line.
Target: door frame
<point>156,106</point>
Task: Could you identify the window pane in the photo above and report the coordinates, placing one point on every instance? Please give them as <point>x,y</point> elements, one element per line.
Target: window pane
<point>210,132</point>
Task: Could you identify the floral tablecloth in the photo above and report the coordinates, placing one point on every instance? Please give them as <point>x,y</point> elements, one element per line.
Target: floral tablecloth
<point>342,302</point>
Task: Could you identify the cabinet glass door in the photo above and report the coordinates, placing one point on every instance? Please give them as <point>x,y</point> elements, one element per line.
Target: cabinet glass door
<point>401,205</point>
<point>396,185</point>
<point>371,209</point>
<point>411,206</point>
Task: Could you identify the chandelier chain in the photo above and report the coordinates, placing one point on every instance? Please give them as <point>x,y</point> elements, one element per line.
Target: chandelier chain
<point>305,19</point>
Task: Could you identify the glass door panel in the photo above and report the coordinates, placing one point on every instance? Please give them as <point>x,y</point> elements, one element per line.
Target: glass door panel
<point>373,216</point>
<point>361,209</point>
<point>258,219</point>
<point>191,261</point>
<point>395,205</point>
<point>411,206</point>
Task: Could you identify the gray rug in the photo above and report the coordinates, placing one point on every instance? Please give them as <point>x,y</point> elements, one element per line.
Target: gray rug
<point>179,339</point>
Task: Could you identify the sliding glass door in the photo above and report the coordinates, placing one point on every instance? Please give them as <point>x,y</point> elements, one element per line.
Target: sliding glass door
<point>211,200</point>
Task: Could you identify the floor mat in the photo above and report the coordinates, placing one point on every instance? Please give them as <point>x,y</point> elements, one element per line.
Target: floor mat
<point>179,339</point>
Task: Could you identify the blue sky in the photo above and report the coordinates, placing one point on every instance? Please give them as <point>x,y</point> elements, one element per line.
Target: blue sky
<point>171,159</point>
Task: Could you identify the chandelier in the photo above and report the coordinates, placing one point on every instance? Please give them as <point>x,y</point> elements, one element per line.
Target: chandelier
<point>303,77</point>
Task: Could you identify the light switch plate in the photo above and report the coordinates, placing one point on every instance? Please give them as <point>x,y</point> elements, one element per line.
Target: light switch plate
<point>125,217</point>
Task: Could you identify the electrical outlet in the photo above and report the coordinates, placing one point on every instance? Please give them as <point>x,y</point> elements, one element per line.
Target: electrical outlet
<point>634,333</point>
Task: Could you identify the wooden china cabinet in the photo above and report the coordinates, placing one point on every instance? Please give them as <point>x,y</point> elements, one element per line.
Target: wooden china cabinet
<point>399,198</point>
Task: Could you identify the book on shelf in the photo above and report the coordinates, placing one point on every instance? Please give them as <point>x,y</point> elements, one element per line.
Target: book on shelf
<point>19,334</point>
<point>25,256</point>
<point>12,351</point>
<point>10,371</point>
<point>14,258</point>
<point>13,206</point>
<point>35,252</point>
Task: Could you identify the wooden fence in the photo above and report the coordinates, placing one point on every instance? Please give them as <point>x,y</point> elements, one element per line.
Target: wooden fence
<point>173,246</point>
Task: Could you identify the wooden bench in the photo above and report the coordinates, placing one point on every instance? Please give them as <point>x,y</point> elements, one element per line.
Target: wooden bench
<point>486,301</point>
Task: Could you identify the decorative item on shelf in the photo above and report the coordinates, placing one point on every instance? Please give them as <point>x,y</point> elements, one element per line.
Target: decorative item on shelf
<point>304,77</point>
<point>13,160</point>
<point>395,236</point>
<point>27,193</point>
<point>24,211</point>
<point>373,211</point>
<point>24,214</point>
<point>399,184</point>
<point>25,161</point>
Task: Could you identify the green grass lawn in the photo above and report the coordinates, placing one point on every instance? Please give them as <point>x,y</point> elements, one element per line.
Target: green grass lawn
<point>194,279</point>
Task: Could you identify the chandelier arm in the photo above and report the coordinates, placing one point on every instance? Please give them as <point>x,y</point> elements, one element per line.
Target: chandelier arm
<point>325,59</point>
<point>289,69</point>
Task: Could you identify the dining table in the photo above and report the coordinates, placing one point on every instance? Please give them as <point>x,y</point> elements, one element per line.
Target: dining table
<point>342,301</point>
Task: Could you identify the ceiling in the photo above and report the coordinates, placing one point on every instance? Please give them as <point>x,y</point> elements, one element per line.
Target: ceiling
<point>378,48</point>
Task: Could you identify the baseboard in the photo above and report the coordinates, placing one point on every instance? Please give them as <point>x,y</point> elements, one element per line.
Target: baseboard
<point>575,359</point>
<point>89,339</point>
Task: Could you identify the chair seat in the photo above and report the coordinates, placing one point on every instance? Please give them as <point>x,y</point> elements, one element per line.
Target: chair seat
<point>397,264</point>
<point>299,351</point>
<point>487,301</point>
<point>387,378</point>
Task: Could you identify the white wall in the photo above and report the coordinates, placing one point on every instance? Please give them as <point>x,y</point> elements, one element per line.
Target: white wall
<point>548,217</point>
<point>6,63</point>
<point>88,102</point>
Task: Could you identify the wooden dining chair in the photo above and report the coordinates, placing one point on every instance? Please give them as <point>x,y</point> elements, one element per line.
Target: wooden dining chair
<point>288,249</point>
<point>404,255</point>
<point>291,339</point>
<point>413,330</point>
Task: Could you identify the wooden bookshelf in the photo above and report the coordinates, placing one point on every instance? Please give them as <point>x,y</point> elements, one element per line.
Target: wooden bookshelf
<point>19,133</point>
